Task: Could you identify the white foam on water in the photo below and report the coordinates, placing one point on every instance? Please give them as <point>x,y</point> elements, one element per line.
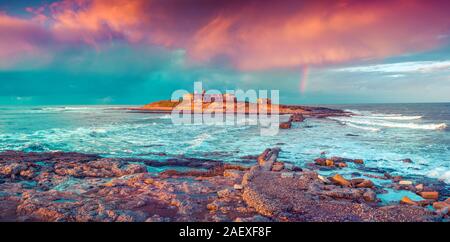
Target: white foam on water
<point>167,116</point>
<point>363,127</point>
<point>441,174</point>
<point>392,117</point>
<point>390,124</point>
<point>197,141</point>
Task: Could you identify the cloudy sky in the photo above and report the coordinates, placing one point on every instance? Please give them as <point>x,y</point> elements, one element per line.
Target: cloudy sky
<point>138,51</point>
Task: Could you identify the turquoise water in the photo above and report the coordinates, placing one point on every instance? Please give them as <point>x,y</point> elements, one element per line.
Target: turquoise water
<point>382,135</point>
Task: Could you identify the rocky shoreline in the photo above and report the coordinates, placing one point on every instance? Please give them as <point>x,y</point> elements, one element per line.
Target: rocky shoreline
<point>81,187</point>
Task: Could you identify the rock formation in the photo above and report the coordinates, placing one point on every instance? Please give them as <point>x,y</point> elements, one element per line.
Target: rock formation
<point>80,187</point>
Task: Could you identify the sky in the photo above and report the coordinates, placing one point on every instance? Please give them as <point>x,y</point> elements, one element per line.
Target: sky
<point>75,52</point>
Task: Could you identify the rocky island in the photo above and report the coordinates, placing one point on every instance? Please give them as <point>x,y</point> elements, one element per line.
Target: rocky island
<point>229,104</point>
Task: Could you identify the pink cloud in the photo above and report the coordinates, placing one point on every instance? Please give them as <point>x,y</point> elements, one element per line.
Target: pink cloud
<point>317,35</point>
<point>252,35</point>
<point>21,40</point>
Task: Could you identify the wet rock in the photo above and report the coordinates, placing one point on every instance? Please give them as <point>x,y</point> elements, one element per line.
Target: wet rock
<point>323,179</point>
<point>329,163</point>
<point>429,195</point>
<point>440,205</point>
<point>338,179</point>
<point>407,200</point>
<point>268,158</point>
<point>419,187</point>
<point>405,182</point>
<point>333,162</point>
<point>320,161</point>
<point>407,160</point>
<point>369,196</point>
<point>352,135</point>
<point>387,175</point>
<point>362,183</point>
<point>443,211</point>
<point>296,117</point>
<point>396,178</point>
<point>297,169</point>
<point>285,125</point>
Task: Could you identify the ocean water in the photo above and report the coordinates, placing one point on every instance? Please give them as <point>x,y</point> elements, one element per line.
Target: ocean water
<point>381,134</point>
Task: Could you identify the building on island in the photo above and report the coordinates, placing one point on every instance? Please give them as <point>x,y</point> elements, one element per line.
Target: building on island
<point>264,101</point>
<point>209,97</point>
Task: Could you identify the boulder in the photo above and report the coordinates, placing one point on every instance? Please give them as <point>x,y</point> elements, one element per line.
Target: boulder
<point>297,169</point>
<point>443,211</point>
<point>370,196</point>
<point>419,187</point>
<point>285,125</point>
<point>396,178</point>
<point>429,195</point>
<point>407,160</point>
<point>365,184</point>
<point>329,163</point>
<point>323,179</point>
<point>338,179</point>
<point>320,161</point>
<point>268,158</point>
<point>296,117</point>
<point>440,205</point>
<point>405,182</point>
<point>407,200</point>
<point>356,181</point>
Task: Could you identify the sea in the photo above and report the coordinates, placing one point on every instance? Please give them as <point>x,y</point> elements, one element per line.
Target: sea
<point>381,134</point>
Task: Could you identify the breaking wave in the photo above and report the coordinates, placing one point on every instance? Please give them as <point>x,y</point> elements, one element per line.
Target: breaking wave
<point>363,127</point>
<point>394,117</point>
<point>389,124</point>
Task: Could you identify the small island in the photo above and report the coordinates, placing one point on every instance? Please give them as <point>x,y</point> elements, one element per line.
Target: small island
<point>230,104</point>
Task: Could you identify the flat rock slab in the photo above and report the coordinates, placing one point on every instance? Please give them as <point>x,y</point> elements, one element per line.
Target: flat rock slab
<point>305,198</point>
